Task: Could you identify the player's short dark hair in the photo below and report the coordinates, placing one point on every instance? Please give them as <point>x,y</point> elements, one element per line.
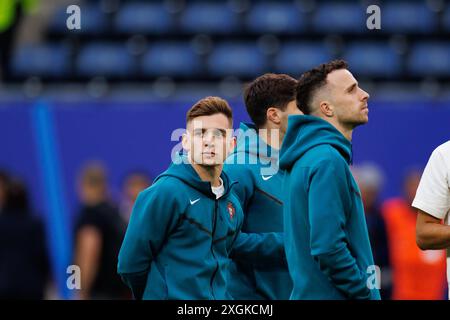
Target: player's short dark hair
<point>268,90</point>
<point>209,106</point>
<point>314,79</point>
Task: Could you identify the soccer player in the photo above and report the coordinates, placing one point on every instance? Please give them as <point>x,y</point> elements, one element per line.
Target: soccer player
<point>269,100</point>
<point>183,226</point>
<point>327,243</point>
<point>433,204</point>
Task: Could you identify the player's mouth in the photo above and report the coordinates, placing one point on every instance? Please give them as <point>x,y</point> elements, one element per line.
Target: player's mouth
<point>209,154</point>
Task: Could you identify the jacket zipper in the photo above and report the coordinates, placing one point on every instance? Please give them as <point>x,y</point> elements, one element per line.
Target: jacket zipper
<point>212,249</point>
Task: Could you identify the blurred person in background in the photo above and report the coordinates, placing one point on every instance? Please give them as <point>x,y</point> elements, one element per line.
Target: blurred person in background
<point>416,274</point>
<point>11,12</point>
<point>98,234</point>
<point>24,264</point>
<point>4,180</point>
<point>370,181</point>
<point>134,183</point>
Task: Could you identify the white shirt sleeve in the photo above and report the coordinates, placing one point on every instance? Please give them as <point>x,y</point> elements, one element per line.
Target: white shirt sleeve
<point>433,193</point>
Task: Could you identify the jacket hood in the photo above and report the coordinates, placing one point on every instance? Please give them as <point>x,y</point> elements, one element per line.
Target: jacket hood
<point>254,145</point>
<point>305,132</point>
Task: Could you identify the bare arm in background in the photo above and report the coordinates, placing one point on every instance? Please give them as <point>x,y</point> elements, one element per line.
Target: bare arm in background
<point>431,234</point>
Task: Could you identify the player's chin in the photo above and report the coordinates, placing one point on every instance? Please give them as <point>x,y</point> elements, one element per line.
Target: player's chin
<point>211,162</point>
<point>363,119</point>
<point>359,122</point>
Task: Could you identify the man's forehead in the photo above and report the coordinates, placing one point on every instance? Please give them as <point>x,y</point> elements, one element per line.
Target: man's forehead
<point>341,78</point>
<point>209,122</point>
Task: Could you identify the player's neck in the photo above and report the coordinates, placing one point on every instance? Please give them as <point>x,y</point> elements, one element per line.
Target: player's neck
<point>209,173</point>
<point>271,136</point>
<point>346,131</point>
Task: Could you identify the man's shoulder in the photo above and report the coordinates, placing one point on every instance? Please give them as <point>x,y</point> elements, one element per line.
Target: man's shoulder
<point>444,150</point>
<point>323,155</point>
<point>166,187</point>
<point>440,158</point>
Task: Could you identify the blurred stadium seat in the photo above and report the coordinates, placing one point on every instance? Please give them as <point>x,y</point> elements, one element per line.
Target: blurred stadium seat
<point>373,59</point>
<point>430,58</point>
<point>334,17</point>
<point>295,58</point>
<point>206,17</point>
<point>46,60</point>
<point>446,19</point>
<point>171,59</point>
<point>407,17</point>
<point>275,17</point>
<point>238,59</point>
<point>105,59</point>
<point>143,18</point>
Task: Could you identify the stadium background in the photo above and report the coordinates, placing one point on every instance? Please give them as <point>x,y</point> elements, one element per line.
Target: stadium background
<point>115,90</point>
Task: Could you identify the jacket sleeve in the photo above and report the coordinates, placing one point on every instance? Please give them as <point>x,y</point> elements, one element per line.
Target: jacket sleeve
<point>153,217</point>
<point>259,248</point>
<point>329,202</point>
<point>253,247</point>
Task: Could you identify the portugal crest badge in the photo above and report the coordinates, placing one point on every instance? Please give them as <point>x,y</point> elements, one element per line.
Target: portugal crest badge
<point>231,210</point>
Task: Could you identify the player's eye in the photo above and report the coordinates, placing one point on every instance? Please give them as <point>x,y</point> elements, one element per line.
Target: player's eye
<point>218,133</point>
<point>198,132</point>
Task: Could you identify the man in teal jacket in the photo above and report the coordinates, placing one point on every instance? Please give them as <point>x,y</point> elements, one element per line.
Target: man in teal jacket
<point>183,227</point>
<point>269,100</point>
<point>327,244</point>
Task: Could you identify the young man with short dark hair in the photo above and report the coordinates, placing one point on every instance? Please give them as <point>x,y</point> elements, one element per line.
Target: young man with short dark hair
<point>183,226</point>
<point>269,100</point>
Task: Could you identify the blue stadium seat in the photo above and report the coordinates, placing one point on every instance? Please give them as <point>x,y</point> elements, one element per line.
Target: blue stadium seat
<point>407,17</point>
<point>295,58</point>
<point>446,19</point>
<point>373,59</point>
<point>430,59</point>
<point>339,17</point>
<point>50,60</point>
<point>209,18</point>
<point>275,17</point>
<point>143,18</point>
<point>105,59</point>
<point>93,20</point>
<point>171,59</point>
<point>237,59</point>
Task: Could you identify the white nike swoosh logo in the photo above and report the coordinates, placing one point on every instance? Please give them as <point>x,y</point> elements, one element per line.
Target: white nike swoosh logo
<point>265,178</point>
<point>195,201</point>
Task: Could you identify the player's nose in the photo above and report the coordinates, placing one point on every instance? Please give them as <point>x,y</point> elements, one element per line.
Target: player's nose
<point>364,95</point>
<point>208,139</point>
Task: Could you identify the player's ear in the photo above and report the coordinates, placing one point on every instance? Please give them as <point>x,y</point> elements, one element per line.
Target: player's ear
<point>326,109</point>
<point>233,143</point>
<point>185,141</point>
<point>274,115</point>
